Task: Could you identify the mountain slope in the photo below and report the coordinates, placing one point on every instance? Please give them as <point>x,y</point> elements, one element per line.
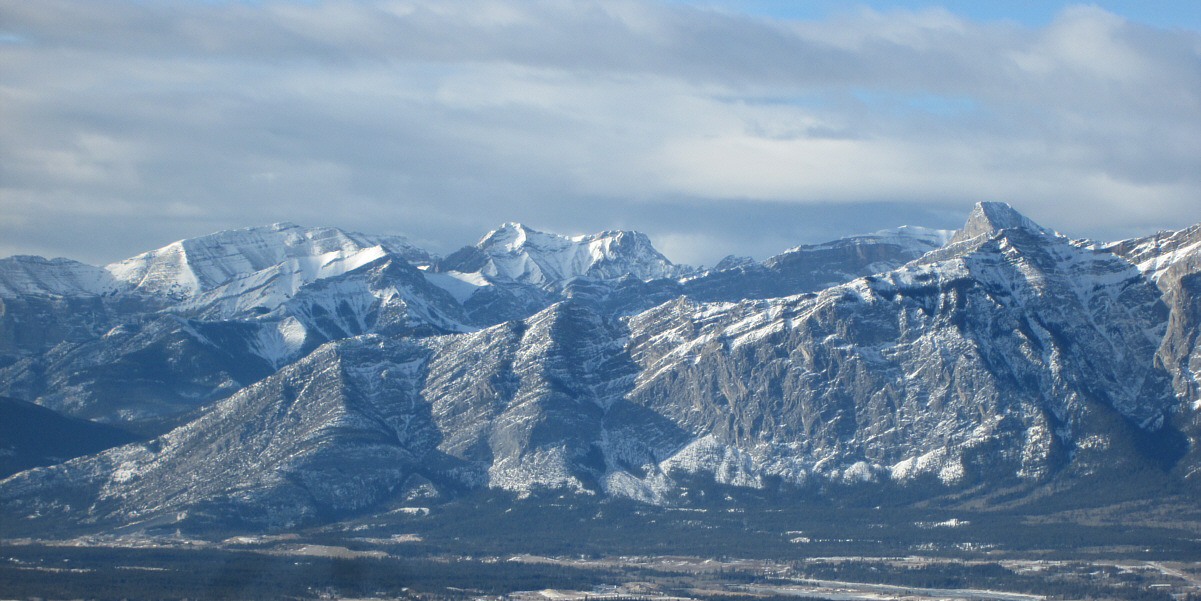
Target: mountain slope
<point>524,402</point>
<point>277,292</point>
<point>915,370</point>
<point>336,432</point>
<point>1009,356</point>
<point>226,275</point>
<point>187,268</point>
<point>23,275</point>
<point>388,296</point>
<point>164,367</point>
<point>1173,261</point>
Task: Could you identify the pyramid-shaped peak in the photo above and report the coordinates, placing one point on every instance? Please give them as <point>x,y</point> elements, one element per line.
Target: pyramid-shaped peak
<point>989,217</point>
<point>509,235</point>
<point>999,214</point>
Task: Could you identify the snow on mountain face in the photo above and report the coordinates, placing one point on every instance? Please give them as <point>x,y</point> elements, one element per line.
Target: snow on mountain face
<point>987,362</point>
<point>268,288</point>
<point>1008,354</point>
<point>387,296</point>
<point>34,276</point>
<point>990,361</point>
<point>46,302</point>
<point>1155,254</point>
<point>516,253</point>
<point>334,432</point>
<point>185,269</point>
<point>914,237</point>
<point>525,402</point>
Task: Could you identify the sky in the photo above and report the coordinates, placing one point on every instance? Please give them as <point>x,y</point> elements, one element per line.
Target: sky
<point>717,127</point>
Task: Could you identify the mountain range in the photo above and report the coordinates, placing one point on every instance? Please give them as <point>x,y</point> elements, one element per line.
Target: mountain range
<point>280,376</point>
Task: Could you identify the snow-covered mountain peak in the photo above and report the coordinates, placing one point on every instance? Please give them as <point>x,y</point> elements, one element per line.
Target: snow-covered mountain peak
<point>33,275</point>
<point>989,217</point>
<point>518,253</point>
<point>189,267</point>
<point>511,236</point>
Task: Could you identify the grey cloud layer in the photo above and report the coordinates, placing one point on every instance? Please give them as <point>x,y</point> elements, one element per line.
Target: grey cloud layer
<point>440,120</point>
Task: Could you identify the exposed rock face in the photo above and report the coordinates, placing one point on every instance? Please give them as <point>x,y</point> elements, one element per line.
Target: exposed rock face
<point>1007,354</point>
<point>1173,261</point>
<point>172,329</point>
<point>1180,351</point>
<point>526,403</point>
<point>927,365</point>
<point>989,217</point>
<point>44,302</point>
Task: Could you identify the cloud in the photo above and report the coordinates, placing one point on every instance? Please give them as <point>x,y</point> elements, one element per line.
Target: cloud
<point>441,120</point>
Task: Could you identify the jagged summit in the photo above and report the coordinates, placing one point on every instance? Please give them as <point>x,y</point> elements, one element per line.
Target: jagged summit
<point>511,235</point>
<point>989,217</point>
<point>517,253</point>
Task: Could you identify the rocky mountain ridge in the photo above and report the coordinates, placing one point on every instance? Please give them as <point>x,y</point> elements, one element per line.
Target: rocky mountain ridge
<point>1001,354</point>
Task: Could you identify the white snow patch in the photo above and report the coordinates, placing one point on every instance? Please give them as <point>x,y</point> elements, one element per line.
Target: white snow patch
<point>460,285</point>
<point>280,342</point>
<point>1159,264</point>
<point>860,471</point>
<point>729,465</point>
<point>930,462</point>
